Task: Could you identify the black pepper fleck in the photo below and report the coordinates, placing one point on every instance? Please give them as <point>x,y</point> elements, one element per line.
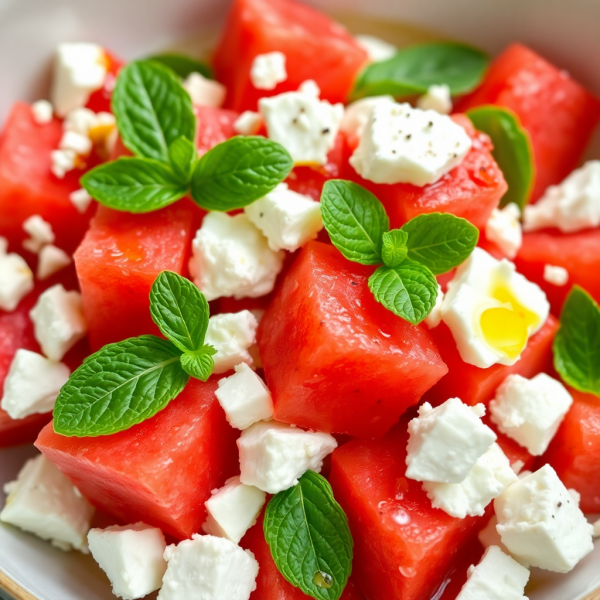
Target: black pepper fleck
<point>325,131</point>
<point>559,504</point>
<point>408,136</point>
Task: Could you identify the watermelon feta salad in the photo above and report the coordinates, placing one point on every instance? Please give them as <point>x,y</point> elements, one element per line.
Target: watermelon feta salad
<point>315,318</point>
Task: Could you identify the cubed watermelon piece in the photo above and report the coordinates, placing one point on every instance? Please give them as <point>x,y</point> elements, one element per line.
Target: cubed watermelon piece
<point>559,114</point>
<point>160,471</point>
<point>403,547</point>
<point>99,100</point>
<point>336,360</point>
<point>315,47</point>
<point>215,125</point>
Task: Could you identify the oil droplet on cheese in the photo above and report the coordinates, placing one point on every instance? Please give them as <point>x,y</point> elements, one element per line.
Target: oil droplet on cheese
<point>323,580</point>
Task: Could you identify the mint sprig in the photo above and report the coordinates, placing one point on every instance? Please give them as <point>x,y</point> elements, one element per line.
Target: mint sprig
<point>310,541</point>
<point>393,247</point>
<point>128,382</point>
<point>577,344</point>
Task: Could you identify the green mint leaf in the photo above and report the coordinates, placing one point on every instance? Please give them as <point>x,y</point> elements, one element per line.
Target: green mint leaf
<point>412,70</point>
<point>135,185</point>
<point>394,249</point>
<point>309,537</point>
<point>199,364</point>
<point>152,109</point>
<point>118,387</point>
<point>512,150</point>
<point>440,241</point>
<point>355,221</point>
<point>409,290</point>
<point>239,171</point>
<point>183,157</point>
<point>180,310</point>
<point>182,65</point>
<point>577,343</point>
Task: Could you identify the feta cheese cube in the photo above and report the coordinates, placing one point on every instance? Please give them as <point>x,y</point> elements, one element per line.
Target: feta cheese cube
<point>79,70</point>
<point>401,144</point>
<point>233,509</point>
<point>558,276</point>
<point>540,523</point>
<point>434,318</point>
<point>42,112</point>
<point>58,321</point>
<point>205,92</point>
<point>231,257</point>
<point>357,114</point>
<point>78,143</point>
<point>304,125</point>
<point>208,568</point>
<point>437,98</point>
<point>244,398</point>
<point>445,442</point>
<point>486,480</point>
<point>376,48</point>
<point>32,384</point>
<point>248,123</point>
<point>44,502</point>
<point>530,410</point>
<point>40,233</point>
<point>131,556</point>
<point>51,260</point>
<point>274,455</point>
<point>496,577</point>
<point>232,334</point>
<point>16,281</point>
<point>503,228</point>
<point>268,70</point>
<point>62,161</point>
<point>81,200</point>
<point>286,218</point>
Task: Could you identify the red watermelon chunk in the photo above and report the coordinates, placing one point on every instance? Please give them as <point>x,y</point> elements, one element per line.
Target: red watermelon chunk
<point>215,125</point>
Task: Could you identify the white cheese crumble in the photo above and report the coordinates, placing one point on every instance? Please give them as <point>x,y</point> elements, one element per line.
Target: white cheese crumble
<point>268,70</point>
<point>503,228</point>
<point>357,114</point>
<point>558,276</point>
<point>43,112</point>
<point>434,318</point>
<point>16,280</point>
<point>81,200</point>
<point>62,161</point>
<point>78,143</point>
<point>205,92</point>
<point>437,98</point>
<point>40,233</point>
<point>51,260</point>
<point>248,123</point>
<point>376,48</point>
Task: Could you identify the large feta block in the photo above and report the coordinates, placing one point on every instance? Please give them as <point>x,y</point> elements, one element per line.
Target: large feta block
<point>273,456</point>
<point>503,228</point>
<point>268,70</point>
<point>436,98</point>
<point>445,442</point>
<point>540,523</point>
<point>16,280</point>
<point>44,502</point>
<point>131,556</point>
<point>530,410</point>
<point>205,92</point>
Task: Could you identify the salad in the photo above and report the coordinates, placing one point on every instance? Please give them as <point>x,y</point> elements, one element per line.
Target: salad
<point>315,318</point>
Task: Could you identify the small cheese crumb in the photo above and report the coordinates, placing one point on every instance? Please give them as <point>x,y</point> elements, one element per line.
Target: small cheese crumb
<point>78,143</point>
<point>204,92</point>
<point>558,276</point>
<point>40,233</point>
<point>81,200</point>
<point>504,229</point>
<point>80,120</point>
<point>248,123</point>
<point>434,318</point>
<point>51,260</point>
<point>42,112</point>
<point>376,48</point>
<point>16,281</point>
<point>268,70</point>
<point>63,161</point>
<point>437,98</point>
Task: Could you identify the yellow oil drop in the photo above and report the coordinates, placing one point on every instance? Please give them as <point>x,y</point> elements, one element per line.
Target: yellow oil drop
<point>323,580</point>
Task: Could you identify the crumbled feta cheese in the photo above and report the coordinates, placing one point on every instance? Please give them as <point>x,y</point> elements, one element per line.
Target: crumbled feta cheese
<point>310,88</point>
<point>401,144</point>
<point>558,276</point>
<point>205,92</point>
<point>80,120</point>
<point>81,200</point>
<point>304,125</point>
<point>286,218</point>
<point>496,577</point>
<point>357,114</point>
<point>208,568</point>
<point>51,260</point>
<point>231,257</point>
<point>40,233</point>
<point>434,318</point>
<point>540,523</point>
<point>437,98</point>
<point>248,123</point>
<point>571,206</point>
<point>32,384</point>
<point>597,528</point>
<point>504,229</point>
<point>575,495</point>
<point>58,321</point>
<point>42,112</point>
<point>131,556</point>
<point>274,455</point>
<point>489,536</point>
<point>79,70</point>
<point>232,334</point>
<point>63,161</point>
<point>530,410</point>
<point>268,70</point>
<point>244,398</point>
<point>16,281</point>
<point>517,466</point>
<point>44,502</point>
<point>446,442</point>
<point>80,144</point>
<point>233,509</point>
<point>376,48</point>
<point>487,480</point>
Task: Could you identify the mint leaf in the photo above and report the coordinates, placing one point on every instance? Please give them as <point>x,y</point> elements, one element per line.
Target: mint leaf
<point>199,364</point>
<point>239,171</point>
<point>440,241</point>
<point>152,109</point>
<point>577,343</point>
<point>309,537</point>
<point>135,185</point>
<point>180,310</point>
<point>119,386</point>
<point>412,70</point>
<point>182,65</point>
<point>409,290</point>
<point>512,150</point>
<point>394,247</point>
<point>355,220</point>
<point>183,157</point>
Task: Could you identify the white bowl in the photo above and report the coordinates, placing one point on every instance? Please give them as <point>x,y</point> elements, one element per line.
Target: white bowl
<point>565,31</point>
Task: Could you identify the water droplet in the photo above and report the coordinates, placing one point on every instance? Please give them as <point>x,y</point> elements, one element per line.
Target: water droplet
<point>323,580</point>
<point>401,517</point>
